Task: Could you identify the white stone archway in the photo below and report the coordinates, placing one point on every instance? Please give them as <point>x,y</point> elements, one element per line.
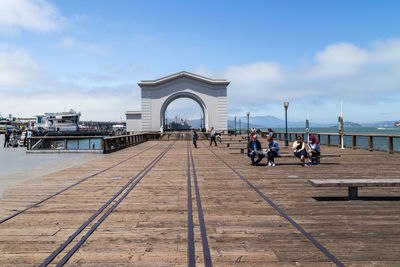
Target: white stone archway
<point>210,94</point>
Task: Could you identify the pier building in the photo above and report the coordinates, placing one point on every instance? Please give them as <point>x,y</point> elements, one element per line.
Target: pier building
<point>156,95</point>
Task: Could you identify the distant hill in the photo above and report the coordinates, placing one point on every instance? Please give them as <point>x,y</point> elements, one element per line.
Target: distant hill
<point>274,122</point>
<point>231,124</point>
<point>351,124</point>
<point>379,124</point>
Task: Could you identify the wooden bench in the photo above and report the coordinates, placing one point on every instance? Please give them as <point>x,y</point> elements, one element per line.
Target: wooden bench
<point>354,184</point>
<point>283,155</point>
<point>241,149</point>
<point>316,159</point>
<point>233,143</point>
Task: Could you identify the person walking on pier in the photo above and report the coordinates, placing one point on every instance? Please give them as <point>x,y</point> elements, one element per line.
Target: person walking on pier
<point>300,150</point>
<point>212,136</point>
<point>254,148</point>
<point>273,151</point>
<point>270,132</point>
<point>195,138</point>
<point>7,138</point>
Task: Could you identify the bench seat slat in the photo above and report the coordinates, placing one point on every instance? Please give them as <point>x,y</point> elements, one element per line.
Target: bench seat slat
<point>321,156</point>
<point>355,182</point>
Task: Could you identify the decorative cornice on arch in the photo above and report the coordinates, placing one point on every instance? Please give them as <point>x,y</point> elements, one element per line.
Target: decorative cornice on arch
<point>181,74</point>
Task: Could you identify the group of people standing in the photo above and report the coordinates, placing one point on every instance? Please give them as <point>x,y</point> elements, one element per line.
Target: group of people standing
<point>272,149</point>
<point>13,138</point>
<point>213,136</point>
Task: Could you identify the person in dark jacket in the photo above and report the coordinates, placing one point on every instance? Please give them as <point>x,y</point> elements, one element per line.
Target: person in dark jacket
<point>195,138</point>
<point>254,149</point>
<point>271,133</point>
<point>7,138</point>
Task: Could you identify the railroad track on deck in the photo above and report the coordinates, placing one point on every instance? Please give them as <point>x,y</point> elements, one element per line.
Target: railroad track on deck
<point>122,193</point>
<point>191,247</point>
<point>75,184</point>
<point>281,212</point>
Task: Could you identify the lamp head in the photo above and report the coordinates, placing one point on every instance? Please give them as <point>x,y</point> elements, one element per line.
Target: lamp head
<point>286,105</point>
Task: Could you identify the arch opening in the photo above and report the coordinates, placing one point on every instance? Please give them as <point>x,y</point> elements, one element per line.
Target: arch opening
<point>183,111</point>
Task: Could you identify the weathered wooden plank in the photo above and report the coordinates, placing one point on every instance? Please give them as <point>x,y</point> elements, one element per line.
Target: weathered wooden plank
<point>355,182</point>
<point>150,226</point>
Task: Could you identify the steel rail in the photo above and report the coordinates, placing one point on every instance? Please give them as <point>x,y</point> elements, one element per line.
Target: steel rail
<point>132,181</point>
<point>283,214</point>
<point>69,187</point>
<point>206,249</point>
<point>191,250</point>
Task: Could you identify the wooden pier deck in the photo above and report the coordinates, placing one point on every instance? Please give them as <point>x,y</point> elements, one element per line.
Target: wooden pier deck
<point>149,227</point>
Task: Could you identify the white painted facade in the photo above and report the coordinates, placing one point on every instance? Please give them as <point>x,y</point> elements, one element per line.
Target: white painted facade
<point>210,94</point>
<point>135,121</point>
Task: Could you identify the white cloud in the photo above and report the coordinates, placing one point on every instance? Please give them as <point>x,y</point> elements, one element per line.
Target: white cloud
<point>343,71</point>
<point>257,72</point>
<point>17,67</point>
<point>36,15</point>
<point>75,46</point>
<point>365,75</point>
<point>26,89</point>
<point>258,79</point>
<point>386,52</point>
<point>337,60</point>
<point>108,104</point>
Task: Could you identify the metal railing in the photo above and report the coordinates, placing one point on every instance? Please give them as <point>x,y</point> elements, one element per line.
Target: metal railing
<point>87,143</point>
<point>59,143</point>
<point>372,142</point>
<point>114,143</point>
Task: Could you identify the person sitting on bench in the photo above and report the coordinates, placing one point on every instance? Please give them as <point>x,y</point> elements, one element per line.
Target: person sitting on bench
<point>273,150</point>
<point>254,148</point>
<point>314,150</point>
<point>300,150</point>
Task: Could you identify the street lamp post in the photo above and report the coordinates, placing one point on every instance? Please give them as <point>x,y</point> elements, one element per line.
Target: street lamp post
<point>341,131</point>
<point>286,105</point>
<point>235,124</point>
<point>248,126</point>
<point>240,126</point>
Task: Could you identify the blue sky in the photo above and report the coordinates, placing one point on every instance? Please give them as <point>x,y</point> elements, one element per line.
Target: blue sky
<point>89,55</point>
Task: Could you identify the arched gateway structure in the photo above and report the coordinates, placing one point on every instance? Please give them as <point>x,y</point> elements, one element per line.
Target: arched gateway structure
<point>210,94</point>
